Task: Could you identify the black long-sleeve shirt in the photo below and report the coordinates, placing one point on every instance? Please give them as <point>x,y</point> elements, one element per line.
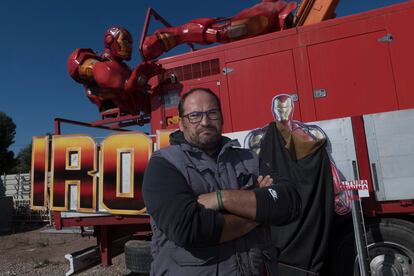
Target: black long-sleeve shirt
<point>175,209</point>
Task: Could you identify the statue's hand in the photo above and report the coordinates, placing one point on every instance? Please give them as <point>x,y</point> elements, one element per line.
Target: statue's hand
<point>149,69</point>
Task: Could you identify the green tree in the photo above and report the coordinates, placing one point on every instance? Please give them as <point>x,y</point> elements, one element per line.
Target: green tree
<point>24,159</point>
<point>7,132</point>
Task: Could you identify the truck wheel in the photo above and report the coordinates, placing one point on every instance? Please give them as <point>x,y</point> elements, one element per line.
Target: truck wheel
<point>138,257</point>
<point>390,249</point>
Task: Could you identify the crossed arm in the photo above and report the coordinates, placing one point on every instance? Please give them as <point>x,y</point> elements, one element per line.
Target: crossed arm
<point>191,221</point>
<point>270,203</point>
<point>241,208</point>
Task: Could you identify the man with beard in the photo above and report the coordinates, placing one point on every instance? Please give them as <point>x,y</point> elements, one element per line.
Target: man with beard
<point>210,210</point>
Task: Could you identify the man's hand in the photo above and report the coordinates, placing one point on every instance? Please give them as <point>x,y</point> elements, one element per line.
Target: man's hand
<point>209,201</point>
<point>234,226</point>
<point>265,181</point>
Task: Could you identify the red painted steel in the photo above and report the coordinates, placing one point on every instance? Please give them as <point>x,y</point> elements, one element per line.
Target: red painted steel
<point>364,172</point>
<point>252,85</point>
<point>353,71</point>
<point>97,124</point>
<point>105,246</point>
<point>348,57</point>
<point>402,57</point>
<point>57,219</point>
<point>363,62</point>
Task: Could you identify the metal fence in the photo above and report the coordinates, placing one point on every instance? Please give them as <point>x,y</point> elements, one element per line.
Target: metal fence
<point>17,186</point>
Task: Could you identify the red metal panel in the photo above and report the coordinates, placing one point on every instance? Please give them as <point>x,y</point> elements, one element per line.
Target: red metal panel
<point>304,83</point>
<point>216,87</point>
<point>193,74</point>
<point>399,25</point>
<point>170,115</point>
<point>395,207</point>
<point>254,82</point>
<point>340,28</point>
<point>357,75</point>
<point>251,48</point>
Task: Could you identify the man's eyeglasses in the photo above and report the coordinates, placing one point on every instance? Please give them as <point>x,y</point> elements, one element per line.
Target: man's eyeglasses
<point>197,116</point>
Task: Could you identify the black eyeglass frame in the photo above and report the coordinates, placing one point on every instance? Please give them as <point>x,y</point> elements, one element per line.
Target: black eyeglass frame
<point>202,113</point>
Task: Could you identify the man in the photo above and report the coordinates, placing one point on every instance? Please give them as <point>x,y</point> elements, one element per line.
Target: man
<point>210,210</point>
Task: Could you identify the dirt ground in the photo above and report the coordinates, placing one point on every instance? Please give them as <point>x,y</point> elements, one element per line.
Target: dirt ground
<point>31,251</point>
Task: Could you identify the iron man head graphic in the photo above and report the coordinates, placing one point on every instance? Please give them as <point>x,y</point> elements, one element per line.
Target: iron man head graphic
<point>118,43</point>
<point>282,107</point>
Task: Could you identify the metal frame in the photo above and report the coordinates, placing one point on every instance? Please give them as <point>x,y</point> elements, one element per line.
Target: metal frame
<point>152,13</point>
<point>391,154</point>
<point>109,124</point>
<point>110,227</point>
<point>371,206</point>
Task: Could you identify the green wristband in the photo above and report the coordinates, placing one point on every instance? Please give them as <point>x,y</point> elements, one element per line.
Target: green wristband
<point>219,200</point>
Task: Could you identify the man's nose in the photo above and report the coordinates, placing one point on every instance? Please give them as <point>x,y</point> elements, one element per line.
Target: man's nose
<point>204,120</point>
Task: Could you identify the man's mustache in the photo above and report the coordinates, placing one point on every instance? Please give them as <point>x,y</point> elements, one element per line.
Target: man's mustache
<point>206,128</point>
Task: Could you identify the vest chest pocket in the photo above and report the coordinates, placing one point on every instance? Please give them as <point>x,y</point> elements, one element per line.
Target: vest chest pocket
<point>201,179</point>
<point>246,179</point>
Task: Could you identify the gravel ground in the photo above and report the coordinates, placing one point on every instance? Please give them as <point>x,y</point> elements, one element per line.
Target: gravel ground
<point>32,252</point>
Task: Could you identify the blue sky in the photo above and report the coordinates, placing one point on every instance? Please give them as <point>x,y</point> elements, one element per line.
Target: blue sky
<point>38,35</point>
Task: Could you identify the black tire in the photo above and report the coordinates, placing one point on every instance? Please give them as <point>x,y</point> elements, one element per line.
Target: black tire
<point>138,256</point>
<point>390,247</point>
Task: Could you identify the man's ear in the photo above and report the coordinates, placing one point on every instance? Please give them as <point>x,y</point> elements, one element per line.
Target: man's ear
<point>180,124</point>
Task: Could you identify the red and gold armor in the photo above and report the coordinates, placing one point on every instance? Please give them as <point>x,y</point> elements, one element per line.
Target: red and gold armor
<point>108,81</point>
<point>265,17</point>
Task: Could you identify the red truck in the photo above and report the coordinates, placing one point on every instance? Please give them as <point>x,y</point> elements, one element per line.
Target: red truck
<point>351,76</point>
<point>357,68</point>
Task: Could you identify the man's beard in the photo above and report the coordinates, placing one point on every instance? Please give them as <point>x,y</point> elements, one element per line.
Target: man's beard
<point>207,142</point>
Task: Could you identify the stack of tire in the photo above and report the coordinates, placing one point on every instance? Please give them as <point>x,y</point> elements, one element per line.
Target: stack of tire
<point>138,257</point>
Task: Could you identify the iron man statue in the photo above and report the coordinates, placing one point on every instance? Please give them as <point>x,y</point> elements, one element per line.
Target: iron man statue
<point>282,109</point>
<point>108,81</point>
<point>267,16</point>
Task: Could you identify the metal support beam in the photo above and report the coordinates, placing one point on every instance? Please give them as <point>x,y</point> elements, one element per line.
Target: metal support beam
<point>82,260</point>
<point>360,236</point>
<point>105,245</point>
